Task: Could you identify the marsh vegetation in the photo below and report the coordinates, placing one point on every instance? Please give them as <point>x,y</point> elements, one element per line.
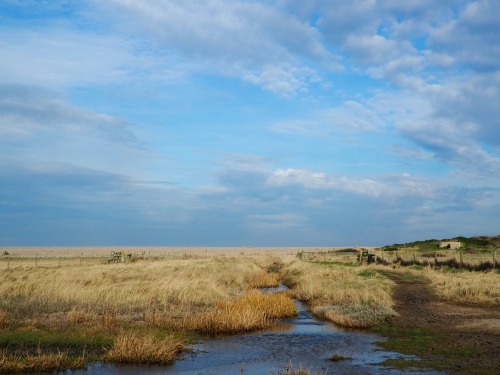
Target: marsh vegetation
<point>62,314</point>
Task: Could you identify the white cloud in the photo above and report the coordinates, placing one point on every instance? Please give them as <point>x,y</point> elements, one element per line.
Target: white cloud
<point>472,38</point>
<point>62,57</point>
<point>371,49</point>
<point>397,186</point>
<point>350,116</point>
<point>251,41</point>
<point>27,112</point>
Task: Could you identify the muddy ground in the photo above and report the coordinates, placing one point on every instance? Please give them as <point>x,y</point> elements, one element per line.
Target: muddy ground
<point>455,338</point>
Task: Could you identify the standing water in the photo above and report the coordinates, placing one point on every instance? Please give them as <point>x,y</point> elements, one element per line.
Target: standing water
<point>302,341</point>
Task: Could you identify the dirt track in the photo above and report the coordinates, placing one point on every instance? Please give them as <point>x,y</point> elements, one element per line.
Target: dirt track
<point>455,338</point>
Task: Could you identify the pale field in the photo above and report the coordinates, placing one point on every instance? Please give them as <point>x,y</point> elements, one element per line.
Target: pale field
<point>152,251</point>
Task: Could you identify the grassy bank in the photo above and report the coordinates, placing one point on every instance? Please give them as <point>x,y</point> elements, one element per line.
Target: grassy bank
<point>348,296</point>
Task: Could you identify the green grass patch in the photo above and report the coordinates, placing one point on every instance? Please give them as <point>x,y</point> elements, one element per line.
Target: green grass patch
<point>402,363</point>
<point>434,351</point>
<point>417,267</point>
<point>41,337</point>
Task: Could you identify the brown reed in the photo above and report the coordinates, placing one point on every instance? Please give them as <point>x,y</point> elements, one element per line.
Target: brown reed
<point>130,347</point>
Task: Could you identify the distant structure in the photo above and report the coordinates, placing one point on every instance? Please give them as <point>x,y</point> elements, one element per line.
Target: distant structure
<point>450,244</point>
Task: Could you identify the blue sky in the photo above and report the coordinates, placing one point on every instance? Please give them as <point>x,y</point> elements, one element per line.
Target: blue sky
<point>248,123</point>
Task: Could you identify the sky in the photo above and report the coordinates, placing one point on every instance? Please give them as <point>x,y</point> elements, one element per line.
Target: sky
<point>248,123</point>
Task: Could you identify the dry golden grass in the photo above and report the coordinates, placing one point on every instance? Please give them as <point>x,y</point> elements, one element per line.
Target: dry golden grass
<point>349,296</point>
<point>320,284</point>
<point>131,347</point>
<point>39,362</point>
<point>126,289</point>
<point>355,315</point>
<point>251,311</point>
<point>79,317</point>
<point>476,287</point>
<point>457,285</point>
<point>206,295</point>
<point>265,280</point>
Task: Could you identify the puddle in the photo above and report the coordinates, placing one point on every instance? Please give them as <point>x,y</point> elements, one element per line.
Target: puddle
<point>303,341</point>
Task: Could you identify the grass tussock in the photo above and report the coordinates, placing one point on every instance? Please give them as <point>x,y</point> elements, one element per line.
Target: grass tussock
<point>39,362</point>
<point>264,280</point>
<point>347,296</point>
<point>251,311</point>
<point>356,315</point>
<point>131,347</point>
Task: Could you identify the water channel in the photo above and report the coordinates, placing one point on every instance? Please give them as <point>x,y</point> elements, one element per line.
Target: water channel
<point>302,341</point>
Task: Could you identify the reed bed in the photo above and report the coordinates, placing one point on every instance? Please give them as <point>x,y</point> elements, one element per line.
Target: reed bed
<point>347,296</point>
<point>129,347</point>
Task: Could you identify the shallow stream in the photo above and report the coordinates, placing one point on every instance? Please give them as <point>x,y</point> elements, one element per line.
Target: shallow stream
<point>302,341</point>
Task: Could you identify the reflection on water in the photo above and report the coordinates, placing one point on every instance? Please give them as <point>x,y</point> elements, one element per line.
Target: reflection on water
<point>303,341</point>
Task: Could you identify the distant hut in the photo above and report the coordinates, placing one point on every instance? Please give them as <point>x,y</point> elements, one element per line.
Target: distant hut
<point>450,244</point>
